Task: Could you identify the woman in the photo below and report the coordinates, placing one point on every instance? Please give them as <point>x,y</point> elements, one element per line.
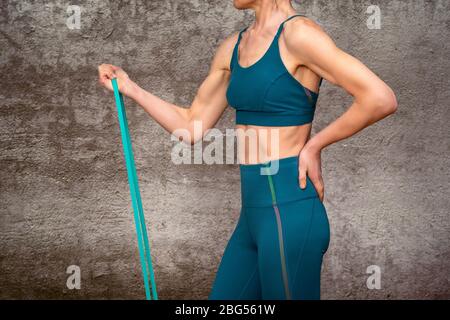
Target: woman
<point>271,72</point>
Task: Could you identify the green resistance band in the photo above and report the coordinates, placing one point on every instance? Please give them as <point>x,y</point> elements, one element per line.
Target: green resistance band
<point>139,220</point>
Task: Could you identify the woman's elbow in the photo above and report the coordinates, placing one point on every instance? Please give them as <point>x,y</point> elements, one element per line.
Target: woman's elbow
<point>385,102</point>
<point>391,103</point>
<point>185,136</point>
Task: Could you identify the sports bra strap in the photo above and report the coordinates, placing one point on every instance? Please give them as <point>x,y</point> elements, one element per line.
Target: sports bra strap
<point>240,35</point>
<point>280,28</point>
<point>295,15</point>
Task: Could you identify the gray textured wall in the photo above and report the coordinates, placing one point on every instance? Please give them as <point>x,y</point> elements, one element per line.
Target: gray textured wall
<point>63,187</point>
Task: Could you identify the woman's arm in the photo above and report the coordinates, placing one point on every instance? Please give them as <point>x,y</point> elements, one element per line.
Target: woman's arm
<point>373,99</point>
<point>207,106</point>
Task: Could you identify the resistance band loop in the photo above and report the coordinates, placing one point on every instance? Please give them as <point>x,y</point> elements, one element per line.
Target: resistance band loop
<point>139,220</point>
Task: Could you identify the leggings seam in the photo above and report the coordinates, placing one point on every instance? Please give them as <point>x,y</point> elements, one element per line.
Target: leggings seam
<point>283,256</point>
<point>280,232</point>
<point>297,266</point>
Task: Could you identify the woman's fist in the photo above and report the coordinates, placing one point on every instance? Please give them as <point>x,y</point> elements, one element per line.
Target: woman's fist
<point>107,72</point>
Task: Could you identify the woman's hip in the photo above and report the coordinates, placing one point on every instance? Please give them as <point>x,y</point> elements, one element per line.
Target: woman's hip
<point>273,182</point>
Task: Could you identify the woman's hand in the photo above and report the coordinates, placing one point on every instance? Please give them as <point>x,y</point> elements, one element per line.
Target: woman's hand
<point>106,72</point>
<point>310,164</point>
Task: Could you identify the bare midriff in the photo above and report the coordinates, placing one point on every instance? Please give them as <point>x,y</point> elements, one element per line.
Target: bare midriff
<point>257,144</point>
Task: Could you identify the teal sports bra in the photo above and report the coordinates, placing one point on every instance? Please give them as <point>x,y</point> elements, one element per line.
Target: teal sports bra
<point>265,93</point>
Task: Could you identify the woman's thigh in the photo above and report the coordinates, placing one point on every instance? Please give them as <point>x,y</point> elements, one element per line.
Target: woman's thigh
<point>238,275</point>
<point>291,239</point>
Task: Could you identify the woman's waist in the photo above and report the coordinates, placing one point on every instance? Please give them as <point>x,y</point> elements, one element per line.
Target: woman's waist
<point>256,144</point>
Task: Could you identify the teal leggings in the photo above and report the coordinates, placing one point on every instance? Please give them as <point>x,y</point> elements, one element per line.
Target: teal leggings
<point>277,246</point>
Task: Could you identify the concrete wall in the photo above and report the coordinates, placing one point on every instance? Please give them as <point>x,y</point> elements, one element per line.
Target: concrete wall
<point>64,196</point>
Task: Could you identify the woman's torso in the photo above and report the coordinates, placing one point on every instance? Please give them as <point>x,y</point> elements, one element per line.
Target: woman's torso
<point>260,143</point>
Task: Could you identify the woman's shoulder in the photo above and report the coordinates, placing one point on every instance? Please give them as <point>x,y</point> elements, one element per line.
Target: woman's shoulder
<point>224,51</point>
<point>301,30</point>
<point>301,24</point>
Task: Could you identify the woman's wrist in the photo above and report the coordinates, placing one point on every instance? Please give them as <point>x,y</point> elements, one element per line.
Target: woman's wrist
<point>313,146</point>
<point>132,90</point>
